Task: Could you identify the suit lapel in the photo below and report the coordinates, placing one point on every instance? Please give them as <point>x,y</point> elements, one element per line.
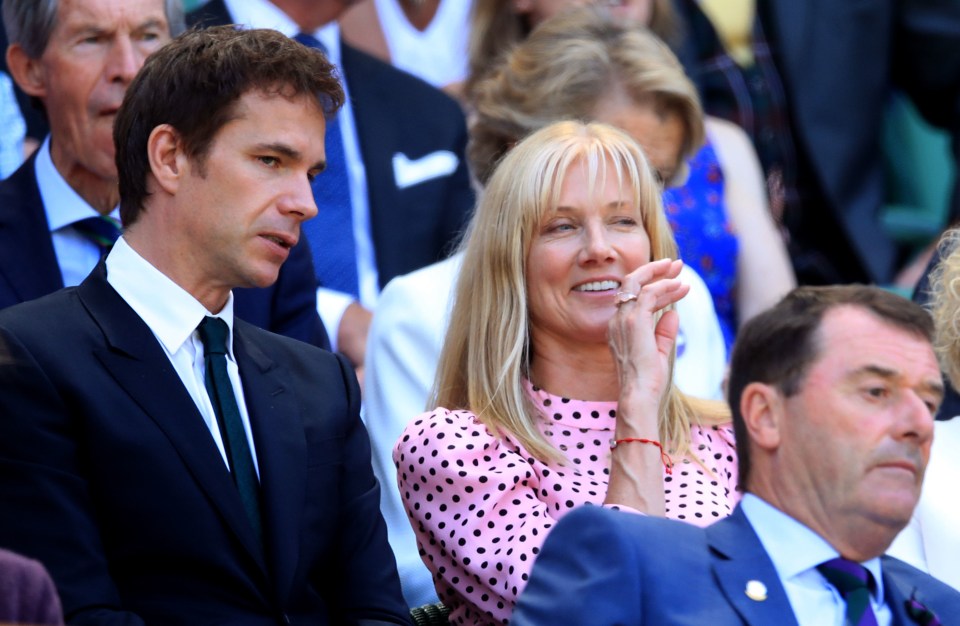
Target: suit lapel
<point>281,451</point>
<point>739,559</point>
<point>896,595</point>
<point>140,366</point>
<point>27,258</point>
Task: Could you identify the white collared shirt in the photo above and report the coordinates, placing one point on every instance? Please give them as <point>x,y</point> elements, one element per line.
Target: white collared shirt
<point>796,551</point>
<point>330,304</point>
<point>76,255</point>
<point>173,315</point>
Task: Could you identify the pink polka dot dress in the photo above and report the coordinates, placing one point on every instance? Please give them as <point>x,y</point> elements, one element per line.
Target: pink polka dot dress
<point>481,506</point>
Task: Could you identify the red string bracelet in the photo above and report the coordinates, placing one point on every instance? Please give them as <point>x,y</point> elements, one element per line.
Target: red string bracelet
<point>664,457</point>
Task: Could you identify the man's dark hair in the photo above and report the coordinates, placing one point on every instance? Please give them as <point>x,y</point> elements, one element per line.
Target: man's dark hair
<point>778,346</point>
<point>194,84</point>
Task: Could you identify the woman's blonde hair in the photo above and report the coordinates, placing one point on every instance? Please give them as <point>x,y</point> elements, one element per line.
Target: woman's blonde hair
<point>486,353</point>
<point>495,27</point>
<point>564,70</point>
<point>944,305</point>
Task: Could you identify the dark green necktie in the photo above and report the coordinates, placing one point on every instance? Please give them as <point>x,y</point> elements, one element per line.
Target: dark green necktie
<point>853,581</point>
<point>213,333</point>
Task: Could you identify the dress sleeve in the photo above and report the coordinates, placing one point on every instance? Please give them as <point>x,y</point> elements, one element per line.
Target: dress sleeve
<point>473,500</point>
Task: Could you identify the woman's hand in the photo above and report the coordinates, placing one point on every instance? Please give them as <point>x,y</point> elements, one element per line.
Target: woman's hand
<point>641,344</point>
<point>641,347</point>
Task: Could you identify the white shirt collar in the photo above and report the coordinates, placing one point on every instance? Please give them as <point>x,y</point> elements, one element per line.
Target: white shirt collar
<point>265,14</point>
<point>62,204</point>
<point>166,308</point>
<point>792,546</point>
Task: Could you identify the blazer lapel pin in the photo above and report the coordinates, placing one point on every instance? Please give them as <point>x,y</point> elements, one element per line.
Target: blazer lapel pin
<point>756,590</point>
<point>919,613</point>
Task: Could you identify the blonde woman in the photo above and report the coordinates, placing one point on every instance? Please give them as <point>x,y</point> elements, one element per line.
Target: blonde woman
<point>554,380</point>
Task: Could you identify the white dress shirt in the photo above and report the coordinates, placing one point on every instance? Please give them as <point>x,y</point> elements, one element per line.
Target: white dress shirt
<point>76,255</point>
<point>931,541</point>
<point>330,304</point>
<point>796,551</point>
<point>173,315</point>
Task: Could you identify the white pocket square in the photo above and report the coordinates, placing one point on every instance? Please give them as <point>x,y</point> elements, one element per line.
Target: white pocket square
<point>408,173</point>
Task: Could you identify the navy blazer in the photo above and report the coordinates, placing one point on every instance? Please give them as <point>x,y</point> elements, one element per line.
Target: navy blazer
<point>397,113</point>
<point>29,267</point>
<point>110,477</point>
<point>600,566</point>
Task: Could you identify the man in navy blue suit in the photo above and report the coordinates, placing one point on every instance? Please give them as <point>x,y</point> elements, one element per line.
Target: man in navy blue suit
<point>166,461</point>
<point>403,143</point>
<point>833,393</point>
<point>76,58</point>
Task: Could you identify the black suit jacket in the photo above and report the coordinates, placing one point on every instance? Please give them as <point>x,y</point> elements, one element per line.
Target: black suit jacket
<point>29,267</point>
<point>397,113</point>
<point>110,477</point>
<point>839,61</point>
<point>633,569</point>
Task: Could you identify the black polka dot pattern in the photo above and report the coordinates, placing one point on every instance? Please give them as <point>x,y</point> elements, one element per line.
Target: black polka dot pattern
<point>481,506</point>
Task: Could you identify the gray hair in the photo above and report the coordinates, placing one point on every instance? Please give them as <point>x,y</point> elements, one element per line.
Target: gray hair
<point>30,23</point>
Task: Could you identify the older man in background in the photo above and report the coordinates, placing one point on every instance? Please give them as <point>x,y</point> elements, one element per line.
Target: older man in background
<point>58,212</point>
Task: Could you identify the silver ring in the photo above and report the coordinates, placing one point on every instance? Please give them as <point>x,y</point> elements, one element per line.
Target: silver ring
<point>623,297</point>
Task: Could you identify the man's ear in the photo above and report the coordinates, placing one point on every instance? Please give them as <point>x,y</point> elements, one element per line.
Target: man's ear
<point>762,408</point>
<point>168,162</point>
<point>27,72</point>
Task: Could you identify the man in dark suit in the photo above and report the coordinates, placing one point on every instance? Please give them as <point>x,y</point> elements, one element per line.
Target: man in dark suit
<point>404,144</point>
<point>73,179</point>
<point>167,462</point>
<point>833,393</point>
<point>812,94</point>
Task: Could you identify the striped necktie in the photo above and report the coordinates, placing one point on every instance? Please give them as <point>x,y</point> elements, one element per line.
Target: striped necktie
<point>331,233</point>
<point>102,230</point>
<point>853,581</point>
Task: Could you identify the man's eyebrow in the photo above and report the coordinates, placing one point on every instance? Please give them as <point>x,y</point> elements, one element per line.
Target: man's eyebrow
<point>95,28</point>
<point>153,23</point>
<point>935,386</point>
<point>876,370</point>
<point>279,148</point>
<point>289,152</point>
